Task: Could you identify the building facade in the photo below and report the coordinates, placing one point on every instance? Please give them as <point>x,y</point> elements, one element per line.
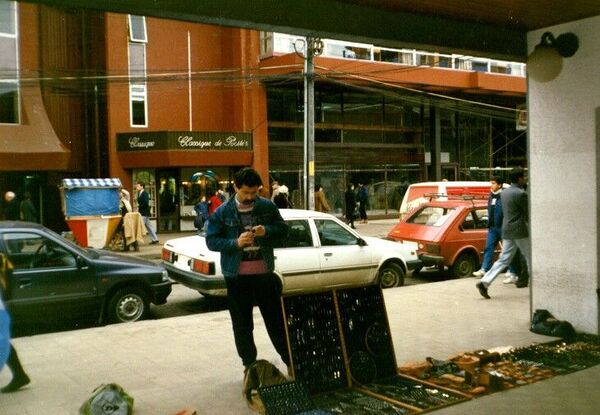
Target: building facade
<point>182,106</point>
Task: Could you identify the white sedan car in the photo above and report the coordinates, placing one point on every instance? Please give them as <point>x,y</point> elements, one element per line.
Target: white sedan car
<point>321,252</point>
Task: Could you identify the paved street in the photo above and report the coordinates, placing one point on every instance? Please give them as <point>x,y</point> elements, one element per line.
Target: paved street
<point>189,361</point>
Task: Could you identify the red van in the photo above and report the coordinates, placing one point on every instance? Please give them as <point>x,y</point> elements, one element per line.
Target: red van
<point>449,233</point>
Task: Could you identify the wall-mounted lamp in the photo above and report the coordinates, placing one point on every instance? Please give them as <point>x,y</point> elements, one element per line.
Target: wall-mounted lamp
<point>545,62</point>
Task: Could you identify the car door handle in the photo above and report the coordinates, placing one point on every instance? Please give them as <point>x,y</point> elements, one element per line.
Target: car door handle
<point>328,254</point>
<point>24,283</point>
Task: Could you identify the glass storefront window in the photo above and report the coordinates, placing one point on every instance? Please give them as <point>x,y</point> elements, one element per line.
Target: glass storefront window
<point>363,109</point>
<point>385,184</point>
<point>198,182</point>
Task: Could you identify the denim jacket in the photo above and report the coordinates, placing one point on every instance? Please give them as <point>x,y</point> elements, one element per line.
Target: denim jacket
<point>225,226</point>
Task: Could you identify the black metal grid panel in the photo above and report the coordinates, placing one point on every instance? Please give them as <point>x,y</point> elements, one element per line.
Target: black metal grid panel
<point>315,341</point>
<point>366,334</point>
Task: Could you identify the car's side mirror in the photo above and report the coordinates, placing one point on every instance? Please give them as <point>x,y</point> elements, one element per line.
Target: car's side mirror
<point>362,242</point>
<point>81,263</point>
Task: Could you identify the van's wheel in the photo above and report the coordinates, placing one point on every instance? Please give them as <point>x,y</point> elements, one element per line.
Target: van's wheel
<point>127,305</point>
<point>391,275</point>
<point>464,266</point>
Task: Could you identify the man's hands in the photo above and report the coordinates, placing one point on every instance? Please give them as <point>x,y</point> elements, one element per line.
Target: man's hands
<point>247,238</point>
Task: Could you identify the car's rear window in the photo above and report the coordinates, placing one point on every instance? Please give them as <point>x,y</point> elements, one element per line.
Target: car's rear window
<point>431,216</point>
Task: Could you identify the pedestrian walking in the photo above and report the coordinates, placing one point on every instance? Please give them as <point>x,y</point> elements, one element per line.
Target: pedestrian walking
<point>363,201</point>
<point>214,202</point>
<point>143,201</point>
<point>494,235</point>
<point>19,377</point>
<point>274,189</point>
<point>282,199</point>
<point>244,230</point>
<point>321,203</point>
<point>350,205</point>
<point>12,210</point>
<point>201,209</point>
<point>28,210</point>
<point>515,230</point>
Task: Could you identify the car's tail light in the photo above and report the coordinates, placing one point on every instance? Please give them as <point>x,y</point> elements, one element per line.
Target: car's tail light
<point>167,255</point>
<point>203,267</point>
<point>433,249</point>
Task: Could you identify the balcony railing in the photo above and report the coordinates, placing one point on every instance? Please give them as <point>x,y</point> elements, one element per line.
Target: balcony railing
<point>279,43</point>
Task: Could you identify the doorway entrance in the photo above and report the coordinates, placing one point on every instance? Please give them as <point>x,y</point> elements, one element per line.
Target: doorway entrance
<point>168,200</point>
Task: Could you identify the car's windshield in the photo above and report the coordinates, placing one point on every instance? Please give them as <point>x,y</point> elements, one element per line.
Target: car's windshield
<point>431,216</point>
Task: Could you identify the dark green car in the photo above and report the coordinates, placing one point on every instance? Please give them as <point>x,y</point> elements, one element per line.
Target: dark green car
<point>54,279</point>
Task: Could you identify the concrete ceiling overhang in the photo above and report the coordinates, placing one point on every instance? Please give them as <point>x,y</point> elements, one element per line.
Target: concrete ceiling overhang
<point>492,28</point>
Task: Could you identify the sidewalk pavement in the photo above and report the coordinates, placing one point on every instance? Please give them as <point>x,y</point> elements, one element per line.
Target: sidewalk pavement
<point>190,362</point>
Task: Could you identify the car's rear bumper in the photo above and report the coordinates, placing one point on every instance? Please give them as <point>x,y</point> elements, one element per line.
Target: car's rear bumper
<point>213,285</point>
<point>161,291</point>
<point>431,260</point>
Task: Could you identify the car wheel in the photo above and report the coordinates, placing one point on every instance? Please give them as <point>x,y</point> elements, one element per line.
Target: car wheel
<point>128,304</point>
<point>391,275</point>
<point>464,266</point>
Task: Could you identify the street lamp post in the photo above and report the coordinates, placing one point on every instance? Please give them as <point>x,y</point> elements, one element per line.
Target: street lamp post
<point>313,47</point>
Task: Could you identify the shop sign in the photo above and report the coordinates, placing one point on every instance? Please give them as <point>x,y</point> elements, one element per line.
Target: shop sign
<point>184,140</point>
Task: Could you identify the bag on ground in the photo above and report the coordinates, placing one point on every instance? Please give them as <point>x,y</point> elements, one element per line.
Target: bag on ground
<point>260,373</point>
<point>108,399</point>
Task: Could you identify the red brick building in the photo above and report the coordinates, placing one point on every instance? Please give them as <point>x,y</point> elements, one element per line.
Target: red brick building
<point>182,106</point>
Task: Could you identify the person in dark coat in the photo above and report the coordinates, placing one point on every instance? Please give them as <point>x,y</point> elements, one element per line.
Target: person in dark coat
<point>363,201</point>
<point>494,235</point>
<point>350,200</point>
<point>143,200</point>
<point>282,198</point>
<point>28,210</point>
<point>12,209</point>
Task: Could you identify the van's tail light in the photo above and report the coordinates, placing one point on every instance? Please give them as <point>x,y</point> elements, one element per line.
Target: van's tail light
<point>433,249</point>
<point>203,267</point>
<point>167,255</point>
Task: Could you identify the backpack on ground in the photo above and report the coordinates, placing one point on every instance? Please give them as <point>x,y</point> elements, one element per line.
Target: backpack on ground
<point>258,374</point>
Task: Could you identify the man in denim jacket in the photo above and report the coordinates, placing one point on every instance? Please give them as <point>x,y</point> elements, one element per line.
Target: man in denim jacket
<point>244,230</point>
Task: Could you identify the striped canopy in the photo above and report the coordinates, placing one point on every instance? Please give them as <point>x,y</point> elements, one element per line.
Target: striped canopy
<point>91,183</point>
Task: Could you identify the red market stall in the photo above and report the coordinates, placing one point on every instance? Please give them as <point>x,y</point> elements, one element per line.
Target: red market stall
<point>91,209</point>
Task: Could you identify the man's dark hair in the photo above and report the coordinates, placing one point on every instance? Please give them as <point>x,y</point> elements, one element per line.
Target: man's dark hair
<point>515,174</point>
<point>248,177</point>
<point>497,179</point>
<point>142,184</point>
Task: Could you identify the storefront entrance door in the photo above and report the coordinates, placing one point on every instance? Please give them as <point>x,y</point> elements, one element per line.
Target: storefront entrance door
<point>168,200</point>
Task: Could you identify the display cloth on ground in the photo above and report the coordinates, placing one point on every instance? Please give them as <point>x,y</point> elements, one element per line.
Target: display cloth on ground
<point>343,361</point>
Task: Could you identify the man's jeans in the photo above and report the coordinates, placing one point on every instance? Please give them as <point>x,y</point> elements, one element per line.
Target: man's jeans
<point>509,249</point>
<point>151,232</point>
<point>493,237</point>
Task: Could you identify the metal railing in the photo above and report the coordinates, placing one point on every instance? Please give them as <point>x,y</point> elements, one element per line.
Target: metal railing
<point>276,43</point>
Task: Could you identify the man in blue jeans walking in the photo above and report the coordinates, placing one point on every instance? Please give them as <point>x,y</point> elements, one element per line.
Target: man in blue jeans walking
<point>144,209</point>
<point>495,216</point>
<point>244,230</point>
<point>515,229</point>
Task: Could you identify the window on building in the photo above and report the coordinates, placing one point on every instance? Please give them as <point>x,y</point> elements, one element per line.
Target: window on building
<point>137,29</point>
<point>266,44</point>
<point>137,71</point>
<point>9,65</point>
